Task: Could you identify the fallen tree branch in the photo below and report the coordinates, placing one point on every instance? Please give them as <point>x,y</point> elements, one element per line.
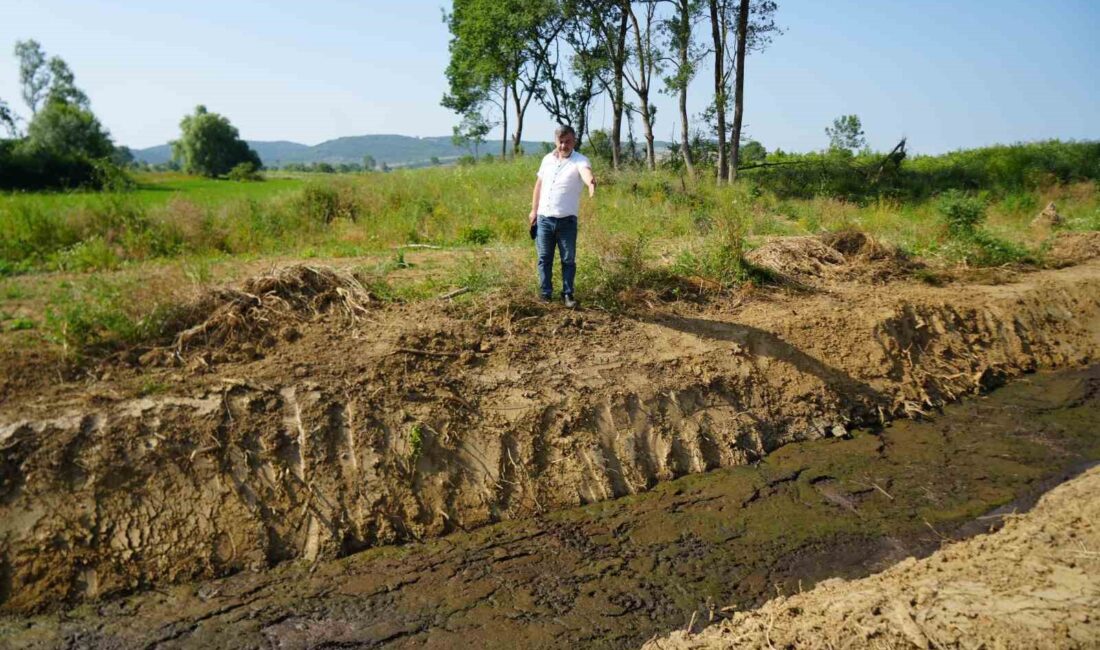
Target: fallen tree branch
<point>455,293</point>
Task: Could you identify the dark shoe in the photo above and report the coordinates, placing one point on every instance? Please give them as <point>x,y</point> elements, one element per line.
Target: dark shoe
<point>544,298</point>
<point>569,302</point>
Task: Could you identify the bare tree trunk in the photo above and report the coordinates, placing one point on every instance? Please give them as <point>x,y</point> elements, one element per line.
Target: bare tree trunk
<point>716,30</point>
<point>650,154</point>
<point>504,124</point>
<point>685,65</point>
<point>645,73</point>
<point>739,88</point>
<point>617,98</point>
<point>517,136</point>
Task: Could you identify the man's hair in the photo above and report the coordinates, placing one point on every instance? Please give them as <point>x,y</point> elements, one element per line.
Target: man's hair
<point>564,130</point>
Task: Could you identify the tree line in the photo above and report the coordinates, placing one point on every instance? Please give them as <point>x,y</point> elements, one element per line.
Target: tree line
<point>62,144</point>
<point>563,55</point>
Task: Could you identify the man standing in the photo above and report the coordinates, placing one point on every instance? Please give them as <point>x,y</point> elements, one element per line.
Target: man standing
<point>554,207</point>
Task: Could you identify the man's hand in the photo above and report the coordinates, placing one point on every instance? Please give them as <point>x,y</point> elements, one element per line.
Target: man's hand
<point>532,218</point>
<point>589,180</point>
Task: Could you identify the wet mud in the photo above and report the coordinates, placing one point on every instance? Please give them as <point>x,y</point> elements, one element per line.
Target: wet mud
<point>615,573</point>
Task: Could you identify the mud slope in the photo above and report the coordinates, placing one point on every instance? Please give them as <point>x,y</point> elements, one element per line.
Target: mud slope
<point>1033,584</point>
<point>419,420</point>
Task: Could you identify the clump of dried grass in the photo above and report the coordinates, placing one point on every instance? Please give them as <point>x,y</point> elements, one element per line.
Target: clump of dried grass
<point>286,295</point>
<point>796,259</point>
<point>836,255</point>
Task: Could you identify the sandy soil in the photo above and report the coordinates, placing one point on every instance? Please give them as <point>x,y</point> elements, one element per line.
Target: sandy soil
<point>1033,584</point>
<point>354,428</point>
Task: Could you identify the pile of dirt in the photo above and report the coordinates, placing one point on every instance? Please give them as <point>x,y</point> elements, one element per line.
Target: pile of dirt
<point>1071,248</point>
<point>266,303</point>
<point>1033,584</point>
<point>814,260</point>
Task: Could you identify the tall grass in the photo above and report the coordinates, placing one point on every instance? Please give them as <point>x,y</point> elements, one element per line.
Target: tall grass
<point>487,204</point>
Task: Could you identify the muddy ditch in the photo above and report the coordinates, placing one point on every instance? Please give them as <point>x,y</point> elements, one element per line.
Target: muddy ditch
<point>417,422</point>
<point>617,572</point>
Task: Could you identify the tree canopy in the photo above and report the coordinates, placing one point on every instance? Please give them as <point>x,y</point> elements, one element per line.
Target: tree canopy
<point>846,133</point>
<point>210,146</point>
<point>67,129</point>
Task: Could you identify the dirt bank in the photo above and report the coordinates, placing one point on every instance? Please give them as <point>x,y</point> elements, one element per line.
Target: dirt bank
<point>414,421</point>
<point>1033,584</point>
<point>615,573</point>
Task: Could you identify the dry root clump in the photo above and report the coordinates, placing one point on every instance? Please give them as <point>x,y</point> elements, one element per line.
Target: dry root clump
<point>841,255</point>
<point>265,302</point>
<point>797,259</point>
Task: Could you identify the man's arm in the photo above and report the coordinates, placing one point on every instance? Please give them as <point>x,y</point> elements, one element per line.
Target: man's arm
<point>589,180</point>
<point>535,202</point>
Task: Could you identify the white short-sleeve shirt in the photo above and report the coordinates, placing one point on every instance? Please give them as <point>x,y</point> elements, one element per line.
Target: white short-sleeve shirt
<point>561,184</point>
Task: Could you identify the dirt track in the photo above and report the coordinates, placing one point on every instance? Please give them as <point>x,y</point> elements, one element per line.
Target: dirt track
<point>416,421</point>
<point>1034,584</point>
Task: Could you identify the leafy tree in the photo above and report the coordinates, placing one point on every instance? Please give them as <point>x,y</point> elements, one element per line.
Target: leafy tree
<point>62,85</point>
<point>8,118</point>
<point>245,171</point>
<point>210,146</point>
<point>752,152</point>
<point>471,131</point>
<point>369,163</point>
<point>498,56</point>
<point>34,75</point>
<point>123,157</point>
<point>846,133</point>
<point>684,57</point>
<point>65,129</point>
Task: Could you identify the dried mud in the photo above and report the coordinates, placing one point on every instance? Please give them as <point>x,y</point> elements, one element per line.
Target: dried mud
<point>414,421</point>
<point>615,573</point>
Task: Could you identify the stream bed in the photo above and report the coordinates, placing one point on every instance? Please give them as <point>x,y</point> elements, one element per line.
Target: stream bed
<point>616,573</point>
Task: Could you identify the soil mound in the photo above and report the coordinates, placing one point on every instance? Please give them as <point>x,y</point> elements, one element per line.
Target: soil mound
<point>443,418</point>
<point>1075,247</point>
<point>267,302</point>
<point>833,256</point>
<point>1033,584</point>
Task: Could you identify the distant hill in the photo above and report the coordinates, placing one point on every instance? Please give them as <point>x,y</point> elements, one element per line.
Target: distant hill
<point>394,150</point>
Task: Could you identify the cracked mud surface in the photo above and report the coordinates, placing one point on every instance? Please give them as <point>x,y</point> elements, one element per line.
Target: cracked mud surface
<point>617,572</point>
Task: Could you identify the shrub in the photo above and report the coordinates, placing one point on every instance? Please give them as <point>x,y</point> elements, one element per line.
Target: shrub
<point>325,203</point>
<point>245,171</point>
<point>480,235</point>
<point>961,214</point>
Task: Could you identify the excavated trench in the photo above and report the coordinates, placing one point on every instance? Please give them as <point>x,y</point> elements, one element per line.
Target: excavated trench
<point>613,574</point>
<point>340,442</point>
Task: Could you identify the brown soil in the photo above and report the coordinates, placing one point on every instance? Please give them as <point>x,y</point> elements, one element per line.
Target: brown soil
<point>412,421</point>
<point>615,573</point>
<point>1033,584</point>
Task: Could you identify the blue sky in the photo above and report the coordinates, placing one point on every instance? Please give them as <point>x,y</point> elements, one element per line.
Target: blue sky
<point>947,75</point>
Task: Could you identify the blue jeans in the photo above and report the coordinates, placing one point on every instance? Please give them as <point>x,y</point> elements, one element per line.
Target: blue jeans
<point>563,232</point>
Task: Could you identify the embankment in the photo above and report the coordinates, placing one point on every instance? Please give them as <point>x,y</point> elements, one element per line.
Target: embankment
<point>417,421</point>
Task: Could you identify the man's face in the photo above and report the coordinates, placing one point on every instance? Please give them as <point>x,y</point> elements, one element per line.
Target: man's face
<point>565,144</point>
